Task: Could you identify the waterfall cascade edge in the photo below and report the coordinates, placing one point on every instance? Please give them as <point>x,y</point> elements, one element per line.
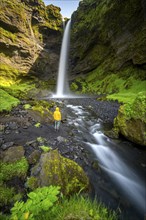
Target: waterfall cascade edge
<point>62,84</point>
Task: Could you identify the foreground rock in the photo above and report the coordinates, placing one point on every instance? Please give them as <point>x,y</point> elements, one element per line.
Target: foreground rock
<point>131,121</point>
<point>53,169</point>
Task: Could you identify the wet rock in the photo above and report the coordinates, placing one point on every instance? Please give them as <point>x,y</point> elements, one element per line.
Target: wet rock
<point>13,126</point>
<point>1,141</point>
<point>61,139</point>
<point>2,127</point>
<point>112,134</point>
<point>7,145</point>
<point>34,157</point>
<point>13,154</point>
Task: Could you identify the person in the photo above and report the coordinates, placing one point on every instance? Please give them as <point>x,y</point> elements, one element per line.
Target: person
<point>57,118</point>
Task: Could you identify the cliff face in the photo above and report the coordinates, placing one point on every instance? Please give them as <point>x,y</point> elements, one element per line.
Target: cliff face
<point>108,34</point>
<point>30,41</point>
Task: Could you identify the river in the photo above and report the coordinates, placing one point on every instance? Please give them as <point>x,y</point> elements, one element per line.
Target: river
<point>119,180</point>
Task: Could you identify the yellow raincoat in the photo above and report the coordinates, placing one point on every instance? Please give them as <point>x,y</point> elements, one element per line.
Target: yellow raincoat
<point>57,115</point>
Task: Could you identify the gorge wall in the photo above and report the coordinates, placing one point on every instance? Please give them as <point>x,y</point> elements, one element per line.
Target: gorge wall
<point>31,36</point>
<point>109,35</point>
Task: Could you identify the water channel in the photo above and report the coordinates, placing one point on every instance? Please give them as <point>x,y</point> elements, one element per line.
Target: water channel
<point>119,181</point>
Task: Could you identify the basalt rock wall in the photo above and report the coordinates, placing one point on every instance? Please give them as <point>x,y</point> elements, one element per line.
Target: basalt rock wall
<point>31,35</point>
<point>108,34</point>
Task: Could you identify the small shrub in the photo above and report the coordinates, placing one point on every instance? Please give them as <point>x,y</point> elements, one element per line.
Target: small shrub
<point>39,201</point>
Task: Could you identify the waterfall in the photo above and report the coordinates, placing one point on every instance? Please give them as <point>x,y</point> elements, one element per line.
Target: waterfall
<point>62,81</point>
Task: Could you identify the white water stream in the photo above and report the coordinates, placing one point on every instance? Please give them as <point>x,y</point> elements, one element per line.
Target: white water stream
<point>115,166</point>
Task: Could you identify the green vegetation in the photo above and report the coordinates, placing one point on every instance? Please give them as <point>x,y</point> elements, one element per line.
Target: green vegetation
<point>122,86</point>
<point>6,195</point>
<point>37,125</point>
<point>131,120</point>
<point>46,203</point>
<point>7,34</point>
<point>27,106</point>
<point>41,139</point>
<point>9,170</point>
<point>32,183</point>
<point>7,102</point>
<point>78,207</point>
<point>45,148</point>
<point>39,201</point>
<point>8,75</point>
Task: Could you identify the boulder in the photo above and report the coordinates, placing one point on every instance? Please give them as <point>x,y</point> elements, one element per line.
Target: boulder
<point>13,154</point>
<point>131,120</point>
<point>54,169</point>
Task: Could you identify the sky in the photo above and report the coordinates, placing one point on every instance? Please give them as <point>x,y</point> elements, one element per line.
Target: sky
<point>67,6</point>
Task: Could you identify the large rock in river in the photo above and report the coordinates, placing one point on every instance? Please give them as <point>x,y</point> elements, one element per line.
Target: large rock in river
<point>131,120</point>
<point>54,169</point>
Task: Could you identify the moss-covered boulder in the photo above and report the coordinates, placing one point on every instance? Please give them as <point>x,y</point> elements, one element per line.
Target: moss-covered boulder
<point>131,120</point>
<point>54,169</point>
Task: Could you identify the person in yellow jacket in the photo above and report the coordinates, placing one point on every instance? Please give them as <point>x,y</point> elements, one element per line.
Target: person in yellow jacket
<point>57,118</point>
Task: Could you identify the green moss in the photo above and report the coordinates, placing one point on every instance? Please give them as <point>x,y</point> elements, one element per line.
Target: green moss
<point>57,170</point>
<point>45,148</point>
<point>136,110</point>
<point>19,89</point>
<point>122,86</point>
<point>6,195</point>
<point>43,108</point>
<point>7,34</point>
<point>27,106</point>
<point>131,120</point>
<point>32,182</point>
<point>9,170</point>
<point>7,101</point>
<point>8,74</point>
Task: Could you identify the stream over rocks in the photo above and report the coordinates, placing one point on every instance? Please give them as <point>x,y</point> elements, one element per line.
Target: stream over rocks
<point>116,167</point>
<point>118,173</point>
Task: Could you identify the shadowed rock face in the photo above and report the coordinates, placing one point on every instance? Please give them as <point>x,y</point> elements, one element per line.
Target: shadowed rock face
<point>31,35</point>
<point>108,34</point>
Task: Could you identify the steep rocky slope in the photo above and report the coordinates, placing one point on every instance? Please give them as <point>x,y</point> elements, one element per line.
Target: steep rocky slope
<point>108,34</point>
<point>31,35</point>
<point>108,56</point>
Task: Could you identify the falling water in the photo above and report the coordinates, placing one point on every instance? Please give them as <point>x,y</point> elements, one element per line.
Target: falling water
<point>61,81</point>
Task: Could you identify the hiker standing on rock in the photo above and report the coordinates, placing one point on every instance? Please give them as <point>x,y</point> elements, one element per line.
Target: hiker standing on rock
<point>57,118</point>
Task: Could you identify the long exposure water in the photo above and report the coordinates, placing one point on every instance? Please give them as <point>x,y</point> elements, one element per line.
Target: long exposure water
<point>62,84</point>
<point>114,162</point>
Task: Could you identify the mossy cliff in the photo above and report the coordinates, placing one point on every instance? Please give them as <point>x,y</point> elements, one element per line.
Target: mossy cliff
<point>108,41</point>
<point>108,56</point>
<point>31,35</point>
